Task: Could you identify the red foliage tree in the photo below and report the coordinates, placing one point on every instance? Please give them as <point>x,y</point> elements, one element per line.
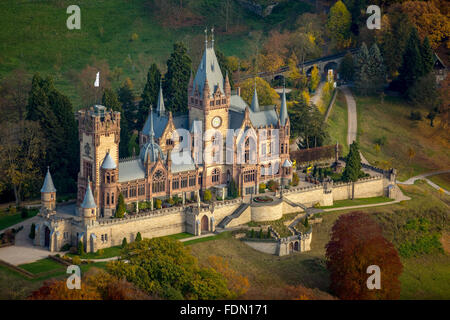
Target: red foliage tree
<point>57,290</point>
<point>356,243</point>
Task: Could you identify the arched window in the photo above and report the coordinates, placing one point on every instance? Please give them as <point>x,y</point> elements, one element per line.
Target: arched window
<point>159,182</point>
<point>215,175</point>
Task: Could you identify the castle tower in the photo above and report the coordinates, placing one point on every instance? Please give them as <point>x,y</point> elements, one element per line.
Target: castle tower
<point>255,102</point>
<point>99,134</point>
<point>88,208</point>
<point>110,174</point>
<point>48,193</point>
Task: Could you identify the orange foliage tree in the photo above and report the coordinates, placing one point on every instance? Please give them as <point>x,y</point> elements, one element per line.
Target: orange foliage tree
<point>237,283</point>
<point>356,243</point>
<point>57,290</point>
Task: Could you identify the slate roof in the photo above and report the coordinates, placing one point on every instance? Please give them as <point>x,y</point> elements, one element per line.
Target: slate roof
<point>283,108</point>
<point>237,103</point>
<point>160,123</point>
<point>108,162</point>
<point>88,202</point>
<point>48,185</point>
<point>186,165</point>
<point>255,102</point>
<point>209,69</point>
<point>130,170</point>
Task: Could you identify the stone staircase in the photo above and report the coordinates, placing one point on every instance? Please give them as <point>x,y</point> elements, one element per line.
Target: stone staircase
<point>232,216</point>
<point>295,204</point>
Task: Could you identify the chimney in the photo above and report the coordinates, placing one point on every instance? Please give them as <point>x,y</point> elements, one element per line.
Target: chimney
<point>238,91</point>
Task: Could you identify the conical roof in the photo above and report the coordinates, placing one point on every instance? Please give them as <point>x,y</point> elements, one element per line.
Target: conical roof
<point>48,185</point>
<point>209,73</point>
<point>88,202</point>
<point>160,108</point>
<point>255,102</point>
<point>283,108</point>
<point>108,162</point>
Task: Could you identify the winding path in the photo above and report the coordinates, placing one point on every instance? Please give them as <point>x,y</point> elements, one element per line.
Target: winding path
<point>424,176</point>
<point>352,128</point>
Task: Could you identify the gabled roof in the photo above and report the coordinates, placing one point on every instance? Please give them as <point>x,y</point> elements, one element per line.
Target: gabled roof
<point>88,202</point>
<point>209,69</point>
<point>108,162</point>
<point>237,103</point>
<point>48,185</point>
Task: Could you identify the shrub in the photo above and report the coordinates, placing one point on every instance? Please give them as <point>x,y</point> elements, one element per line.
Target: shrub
<point>121,207</point>
<point>170,201</point>
<point>23,213</point>
<point>261,234</point>
<point>415,115</point>
<point>65,247</point>
<point>32,234</point>
<point>138,237</point>
<point>262,187</point>
<point>295,179</point>
<point>124,242</point>
<point>252,233</point>
<point>381,141</point>
<point>268,233</point>
<point>73,250</point>
<point>134,36</point>
<point>273,185</point>
<point>12,210</point>
<point>207,196</point>
<point>76,260</point>
<point>80,249</point>
<point>233,190</point>
<point>100,252</point>
<point>158,203</point>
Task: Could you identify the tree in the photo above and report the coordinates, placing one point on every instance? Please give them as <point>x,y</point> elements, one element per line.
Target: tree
<point>347,68</point>
<point>295,179</point>
<point>22,146</point>
<point>207,196</point>
<point>121,207</point>
<point>126,98</point>
<point>124,242</point>
<point>14,89</point>
<point>338,24</point>
<point>80,248</point>
<point>32,234</point>
<point>429,21</point>
<point>138,237</point>
<point>176,80</point>
<point>427,56</point>
<point>225,66</point>
<point>412,66</point>
<point>352,170</point>
<point>111,100</point>
<point>150,94</point>
<point>57,290</point>
<point>266,94</point>
<point>233,189</point>
<point>362,80</point>
<point>357,243</point>
<point>315,78</point>
<point>376,70</point>
<point>424,92</point>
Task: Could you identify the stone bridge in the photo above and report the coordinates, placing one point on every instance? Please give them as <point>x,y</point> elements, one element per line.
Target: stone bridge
<point>324,64</point>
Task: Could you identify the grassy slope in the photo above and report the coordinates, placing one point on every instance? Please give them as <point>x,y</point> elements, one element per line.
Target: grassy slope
<point>308,269</point>
<point>442,180</point>
<point>338,122</point>
<point>431,145</point>
<point>357,202</point>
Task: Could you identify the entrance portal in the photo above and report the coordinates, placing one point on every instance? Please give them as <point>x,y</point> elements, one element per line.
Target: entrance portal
<point>205,223</point>
<point>47,237</point>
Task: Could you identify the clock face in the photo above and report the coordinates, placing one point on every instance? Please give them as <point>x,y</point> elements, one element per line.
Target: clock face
<point>216,122</point>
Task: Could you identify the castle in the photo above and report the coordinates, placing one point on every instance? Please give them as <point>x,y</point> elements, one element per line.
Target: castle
<point>221,140</point>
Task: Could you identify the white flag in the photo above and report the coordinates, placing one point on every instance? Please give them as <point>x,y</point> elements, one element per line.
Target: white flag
<point>97,80</point>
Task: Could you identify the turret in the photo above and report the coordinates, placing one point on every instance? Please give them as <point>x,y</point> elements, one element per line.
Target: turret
<point>88,208</point>
<point>227,86</point>
<point>48,193</point>
<point>110,175</point>
<point>255,102</point>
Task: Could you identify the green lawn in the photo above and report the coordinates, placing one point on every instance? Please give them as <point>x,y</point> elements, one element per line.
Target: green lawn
<point>338,121</point>
<point>442,180</point>
<point>278,225</point>
<point>357,202</point>
<point>390,122</point>
<point>107,253</point>
<point>7,220</point>
<point>222,235</point>
<point>179,236</point>
<point>41,266</point>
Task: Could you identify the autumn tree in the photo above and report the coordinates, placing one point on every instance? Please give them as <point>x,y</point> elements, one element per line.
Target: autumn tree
<point>57,290</point>
<point>266,94</point>
<point>315,78</point>
<point>428,20</point>
<point>236,283</point>
<point>356,243</point>
<point>338,24</point>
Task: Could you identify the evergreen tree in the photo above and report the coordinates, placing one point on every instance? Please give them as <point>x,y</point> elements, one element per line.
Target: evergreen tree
<point>376,70</point>
<point>149,95</point>
<point>111,100</point>
<point>412,67</point>
<point>126,98</point>
<point>121,207</point>
<point>352,169</point>
<point>32,234</point>
<point>176,80</point>
<point>138,237</point>
<point>426,54</point>
<point>347,68</point>
<point>233,189</point>
<point>124,242</point>
<point>362,81</point>
<point>80,248</point>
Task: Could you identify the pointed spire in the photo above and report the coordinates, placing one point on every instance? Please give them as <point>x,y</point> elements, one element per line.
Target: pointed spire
<point>160,108</point>
<point>48,185</point>
<point>255,102</point>
<point>212,37</point>
<point>206,38</point>
<point>151,133</point>
<point>88,202</point>
<point>283,108</point>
